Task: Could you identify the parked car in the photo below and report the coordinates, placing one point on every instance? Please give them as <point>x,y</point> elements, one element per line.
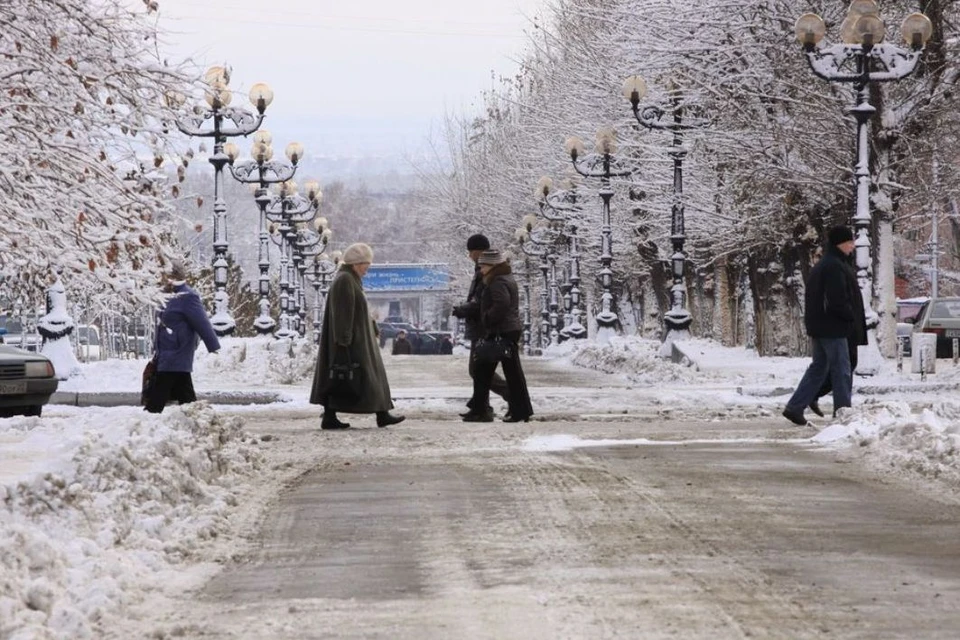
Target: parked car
<point>13,334</point>
<point>941,316</point>
<point>388,330</point>
<point>27,380</point>
<point>908,311</point>
<point>89,347</point>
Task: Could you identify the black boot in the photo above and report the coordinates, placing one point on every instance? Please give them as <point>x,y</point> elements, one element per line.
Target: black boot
<point>330,421</point>
<point>385,419</point>
<point>815,407</point>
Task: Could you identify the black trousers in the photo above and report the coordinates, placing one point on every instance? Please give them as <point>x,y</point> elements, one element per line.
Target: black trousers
<point>518,398</point>
<point>497,384</point>
<point>170,385</point>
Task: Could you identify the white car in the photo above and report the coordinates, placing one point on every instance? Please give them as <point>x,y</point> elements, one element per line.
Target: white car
<point>89,346</point>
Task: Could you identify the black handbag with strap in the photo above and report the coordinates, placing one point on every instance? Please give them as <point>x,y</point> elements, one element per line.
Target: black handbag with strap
<point>492,349</point>
<point>346,377</point>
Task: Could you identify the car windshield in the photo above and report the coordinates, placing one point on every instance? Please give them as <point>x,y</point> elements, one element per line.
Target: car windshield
<point>946,309</point>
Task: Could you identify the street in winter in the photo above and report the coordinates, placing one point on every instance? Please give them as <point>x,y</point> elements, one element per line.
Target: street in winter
<point>510,319</point>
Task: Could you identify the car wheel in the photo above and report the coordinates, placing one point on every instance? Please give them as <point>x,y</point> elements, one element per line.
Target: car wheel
<point>33,411</point>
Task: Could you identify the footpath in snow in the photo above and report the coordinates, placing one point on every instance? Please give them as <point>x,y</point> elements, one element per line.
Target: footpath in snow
<point>100,506</point>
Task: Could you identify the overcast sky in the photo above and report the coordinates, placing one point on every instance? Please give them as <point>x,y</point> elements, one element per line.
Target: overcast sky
<point>365,76</point>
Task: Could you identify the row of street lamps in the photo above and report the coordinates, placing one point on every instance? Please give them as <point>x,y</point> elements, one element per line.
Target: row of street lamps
<point>861,58</point>
<point>286,214</point>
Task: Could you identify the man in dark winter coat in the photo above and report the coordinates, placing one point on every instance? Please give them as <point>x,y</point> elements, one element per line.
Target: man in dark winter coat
<point>834,317</point>
<point>470,313</point>
<point>401,346</point>
<point>446,346</point>
<point>183,323</point>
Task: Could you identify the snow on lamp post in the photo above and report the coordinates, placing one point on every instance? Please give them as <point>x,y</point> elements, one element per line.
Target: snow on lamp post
<point>308,243</point>
<point>323,268</point>
<point>678,318</point>
<point>286,210</point>
<point>263,171</point>
<point>55,328</point>
<point>861,59</point>
<point>562,206</point>
<point>218,97</point>
<point>540,241</point>
<point>601,164</point>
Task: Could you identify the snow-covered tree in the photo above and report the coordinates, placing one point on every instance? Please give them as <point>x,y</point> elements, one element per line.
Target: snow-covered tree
<point>83,131</point>
<point>770,172</point>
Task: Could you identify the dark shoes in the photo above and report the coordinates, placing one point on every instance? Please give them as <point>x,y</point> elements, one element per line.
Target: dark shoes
<point>815,407</point>
<point>512,418</point>
<point>385,419</point>
<point>486,416</point>
<point>795,418</point>
<point>331,423</point>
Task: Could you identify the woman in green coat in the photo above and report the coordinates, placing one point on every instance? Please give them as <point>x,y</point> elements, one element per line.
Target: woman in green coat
<point>347,335</point>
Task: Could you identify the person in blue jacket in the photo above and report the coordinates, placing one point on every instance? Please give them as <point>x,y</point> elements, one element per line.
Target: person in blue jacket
<point>183,323</point>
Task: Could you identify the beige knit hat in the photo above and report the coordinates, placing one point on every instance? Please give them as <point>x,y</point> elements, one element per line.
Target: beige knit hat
<point>491,257</point>
<point>357,253</point>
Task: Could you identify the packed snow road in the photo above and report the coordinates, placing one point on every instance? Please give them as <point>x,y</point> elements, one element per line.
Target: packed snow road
<point>699,528</point>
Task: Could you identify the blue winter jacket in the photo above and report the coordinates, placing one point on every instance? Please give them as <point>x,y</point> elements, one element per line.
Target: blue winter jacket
<point>183,322</point>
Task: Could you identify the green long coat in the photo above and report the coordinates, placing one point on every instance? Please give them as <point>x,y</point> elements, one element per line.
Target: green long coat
<point>347,322</point>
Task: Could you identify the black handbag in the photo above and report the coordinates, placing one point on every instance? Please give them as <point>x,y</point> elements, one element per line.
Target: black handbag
<point>492,349</point>
<point>148,381</point>
<point>346,378</point>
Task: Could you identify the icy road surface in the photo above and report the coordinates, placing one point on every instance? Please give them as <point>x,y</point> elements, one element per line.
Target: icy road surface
<point>716,521</point>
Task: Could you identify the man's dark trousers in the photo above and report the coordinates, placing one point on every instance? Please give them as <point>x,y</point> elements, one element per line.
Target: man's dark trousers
<point>831,357</point>
<point>497,384</point>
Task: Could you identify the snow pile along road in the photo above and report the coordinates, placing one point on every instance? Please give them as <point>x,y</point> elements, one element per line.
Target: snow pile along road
<point>638,358</point>
<point>242,363</point>
<point>111,518</point>
<point>897,438</point>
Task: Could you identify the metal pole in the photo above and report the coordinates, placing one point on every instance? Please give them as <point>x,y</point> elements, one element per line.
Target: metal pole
<point>863,111</point>
<point>678,319</point>
<point>264,323</point>
<point>606,318</point>
<point>554,302</point>
<point>935,234</point>
<point>223,323</point>
<point>527,320</point>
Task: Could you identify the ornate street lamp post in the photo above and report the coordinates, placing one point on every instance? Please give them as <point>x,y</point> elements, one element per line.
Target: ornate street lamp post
<point>263,171</point>
<point>562,206</point>
<point>863,58</point>
<point>678,318</point>
<point>308,244</point>
<point>541,242</point>
<point>601,164</point>
<point>218,97</point>
<point>286,210</point>
<point>323,268</point>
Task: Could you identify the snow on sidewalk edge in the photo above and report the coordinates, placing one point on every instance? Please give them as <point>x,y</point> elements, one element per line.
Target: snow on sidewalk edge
<point>114,524</point>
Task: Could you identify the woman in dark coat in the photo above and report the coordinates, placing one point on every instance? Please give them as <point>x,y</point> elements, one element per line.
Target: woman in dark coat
<point>183,323</point>
<point>348,334</point>
<point>500,316</point>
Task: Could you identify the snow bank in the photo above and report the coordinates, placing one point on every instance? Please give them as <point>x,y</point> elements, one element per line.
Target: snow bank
<point>895,437</point>
<point>111,513</point>
<point>241,363</point>
<point>638,358</point>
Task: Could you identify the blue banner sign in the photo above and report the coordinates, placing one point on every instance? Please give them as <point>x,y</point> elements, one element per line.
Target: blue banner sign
<point>406,277</point>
